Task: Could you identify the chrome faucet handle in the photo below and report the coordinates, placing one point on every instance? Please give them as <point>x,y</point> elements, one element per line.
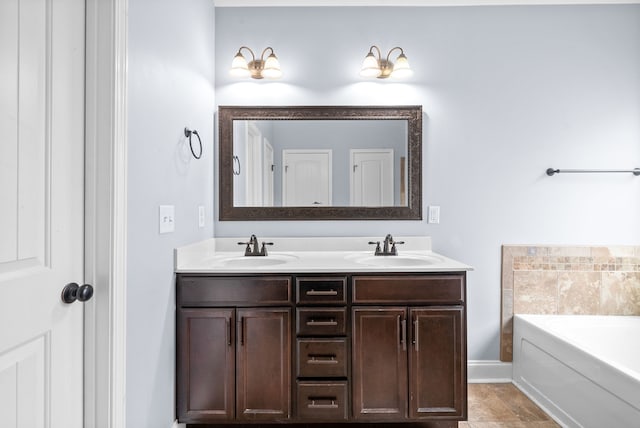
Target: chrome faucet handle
<point>263,250</point>
<point>252,240</point>
<point>247,251</point>
<point>394,250</point>
<point>378,249</point>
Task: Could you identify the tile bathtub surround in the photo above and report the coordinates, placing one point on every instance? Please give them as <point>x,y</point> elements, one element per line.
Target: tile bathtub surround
<point>567,280</point>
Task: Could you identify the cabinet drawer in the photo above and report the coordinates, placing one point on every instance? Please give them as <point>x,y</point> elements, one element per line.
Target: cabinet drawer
<point>322,358</point>
<point>321,290</point>
<point>322,400</point>
<point>321,321</point>
<point>434,289</point>
<point>216,291</point>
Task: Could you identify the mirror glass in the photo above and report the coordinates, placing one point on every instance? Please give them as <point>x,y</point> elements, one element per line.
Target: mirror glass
<point>304,163</point>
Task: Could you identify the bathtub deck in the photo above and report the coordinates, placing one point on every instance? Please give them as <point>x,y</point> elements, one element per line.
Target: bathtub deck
<point>502,405</point>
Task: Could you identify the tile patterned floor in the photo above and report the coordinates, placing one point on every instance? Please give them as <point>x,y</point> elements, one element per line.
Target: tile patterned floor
<point>502,405</point>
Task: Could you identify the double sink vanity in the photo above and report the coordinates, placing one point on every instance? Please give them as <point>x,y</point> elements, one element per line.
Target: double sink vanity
<point>320,331</point>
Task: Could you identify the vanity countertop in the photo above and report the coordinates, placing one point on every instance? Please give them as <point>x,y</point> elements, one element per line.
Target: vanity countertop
<point>313,254</point>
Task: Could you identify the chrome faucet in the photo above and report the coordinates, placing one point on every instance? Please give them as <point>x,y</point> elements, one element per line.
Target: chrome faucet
<point>254,248</point>
<point>389,246</point>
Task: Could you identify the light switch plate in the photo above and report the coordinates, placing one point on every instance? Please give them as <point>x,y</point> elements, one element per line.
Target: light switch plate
<point>167,218</point>
<point>434,214</point>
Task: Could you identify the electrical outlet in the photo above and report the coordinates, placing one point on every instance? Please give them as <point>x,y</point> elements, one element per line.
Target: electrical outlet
<point>434,214</point>
<point>167,218</point>
<point>200,216</point>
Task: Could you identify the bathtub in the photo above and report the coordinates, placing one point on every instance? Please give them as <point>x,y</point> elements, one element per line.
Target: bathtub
<point>583,370</point>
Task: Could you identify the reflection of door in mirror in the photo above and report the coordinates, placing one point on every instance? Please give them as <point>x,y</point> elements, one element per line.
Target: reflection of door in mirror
<point>307,178</point>
<point>371,177</point>
<point>253,166</point>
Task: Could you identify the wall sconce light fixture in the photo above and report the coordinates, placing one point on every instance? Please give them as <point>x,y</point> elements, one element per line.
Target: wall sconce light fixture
<point>382,67</point>
<point>256,68</point>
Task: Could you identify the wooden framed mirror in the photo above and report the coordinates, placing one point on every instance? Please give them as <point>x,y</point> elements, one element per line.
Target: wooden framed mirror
<point>320,163</point>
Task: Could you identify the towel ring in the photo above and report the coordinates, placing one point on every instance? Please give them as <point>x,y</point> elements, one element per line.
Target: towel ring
<point>236,161</point>
<point>187,133</point>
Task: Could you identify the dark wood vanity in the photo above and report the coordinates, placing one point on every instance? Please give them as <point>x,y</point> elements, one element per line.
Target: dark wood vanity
<point>325,349</point>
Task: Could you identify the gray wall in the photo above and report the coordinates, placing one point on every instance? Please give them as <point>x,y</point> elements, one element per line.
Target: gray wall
<point>170,86</point>
<point>506,91</point>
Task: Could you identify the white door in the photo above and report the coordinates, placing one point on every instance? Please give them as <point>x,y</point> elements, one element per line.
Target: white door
<point>371,177</point>
<point>41,220</point>
<point>254,166</point>
<point>307,178</point>
<point>267,174</point>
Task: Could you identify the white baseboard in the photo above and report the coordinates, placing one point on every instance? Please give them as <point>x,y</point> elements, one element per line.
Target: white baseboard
<point>489,371</point>
<point>177,425</point>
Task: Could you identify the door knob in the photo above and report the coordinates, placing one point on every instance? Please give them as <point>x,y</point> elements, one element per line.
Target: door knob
<point>72,292</point>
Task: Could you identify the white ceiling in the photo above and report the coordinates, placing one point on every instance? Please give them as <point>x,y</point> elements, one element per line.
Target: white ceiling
<point>247,3</point>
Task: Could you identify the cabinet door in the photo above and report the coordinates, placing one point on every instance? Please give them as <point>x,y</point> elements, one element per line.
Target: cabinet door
<point>264,364</point>
<point>379,363</point>
<point>206,365</point>
<point>437,363</point>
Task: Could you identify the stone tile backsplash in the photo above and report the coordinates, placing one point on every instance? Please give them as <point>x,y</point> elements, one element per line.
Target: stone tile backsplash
<point>567,280</point>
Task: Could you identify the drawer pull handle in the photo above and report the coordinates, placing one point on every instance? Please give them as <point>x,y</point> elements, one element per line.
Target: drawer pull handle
<point>322,359</point>
<point>313,292</point>
<point>322,322</point>
<point>322,403</point>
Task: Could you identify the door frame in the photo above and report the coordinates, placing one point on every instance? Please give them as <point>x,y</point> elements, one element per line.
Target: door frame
<point>105,212</point>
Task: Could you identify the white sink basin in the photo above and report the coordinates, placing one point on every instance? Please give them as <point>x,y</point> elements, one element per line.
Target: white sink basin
<point>256,261</point>
<point>398,261</point>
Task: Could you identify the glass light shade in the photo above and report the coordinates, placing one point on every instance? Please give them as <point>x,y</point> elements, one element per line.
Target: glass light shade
<point>239,66</point>
<point>271,68</point>
<point>401,67</point>
<point>370,66</point>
